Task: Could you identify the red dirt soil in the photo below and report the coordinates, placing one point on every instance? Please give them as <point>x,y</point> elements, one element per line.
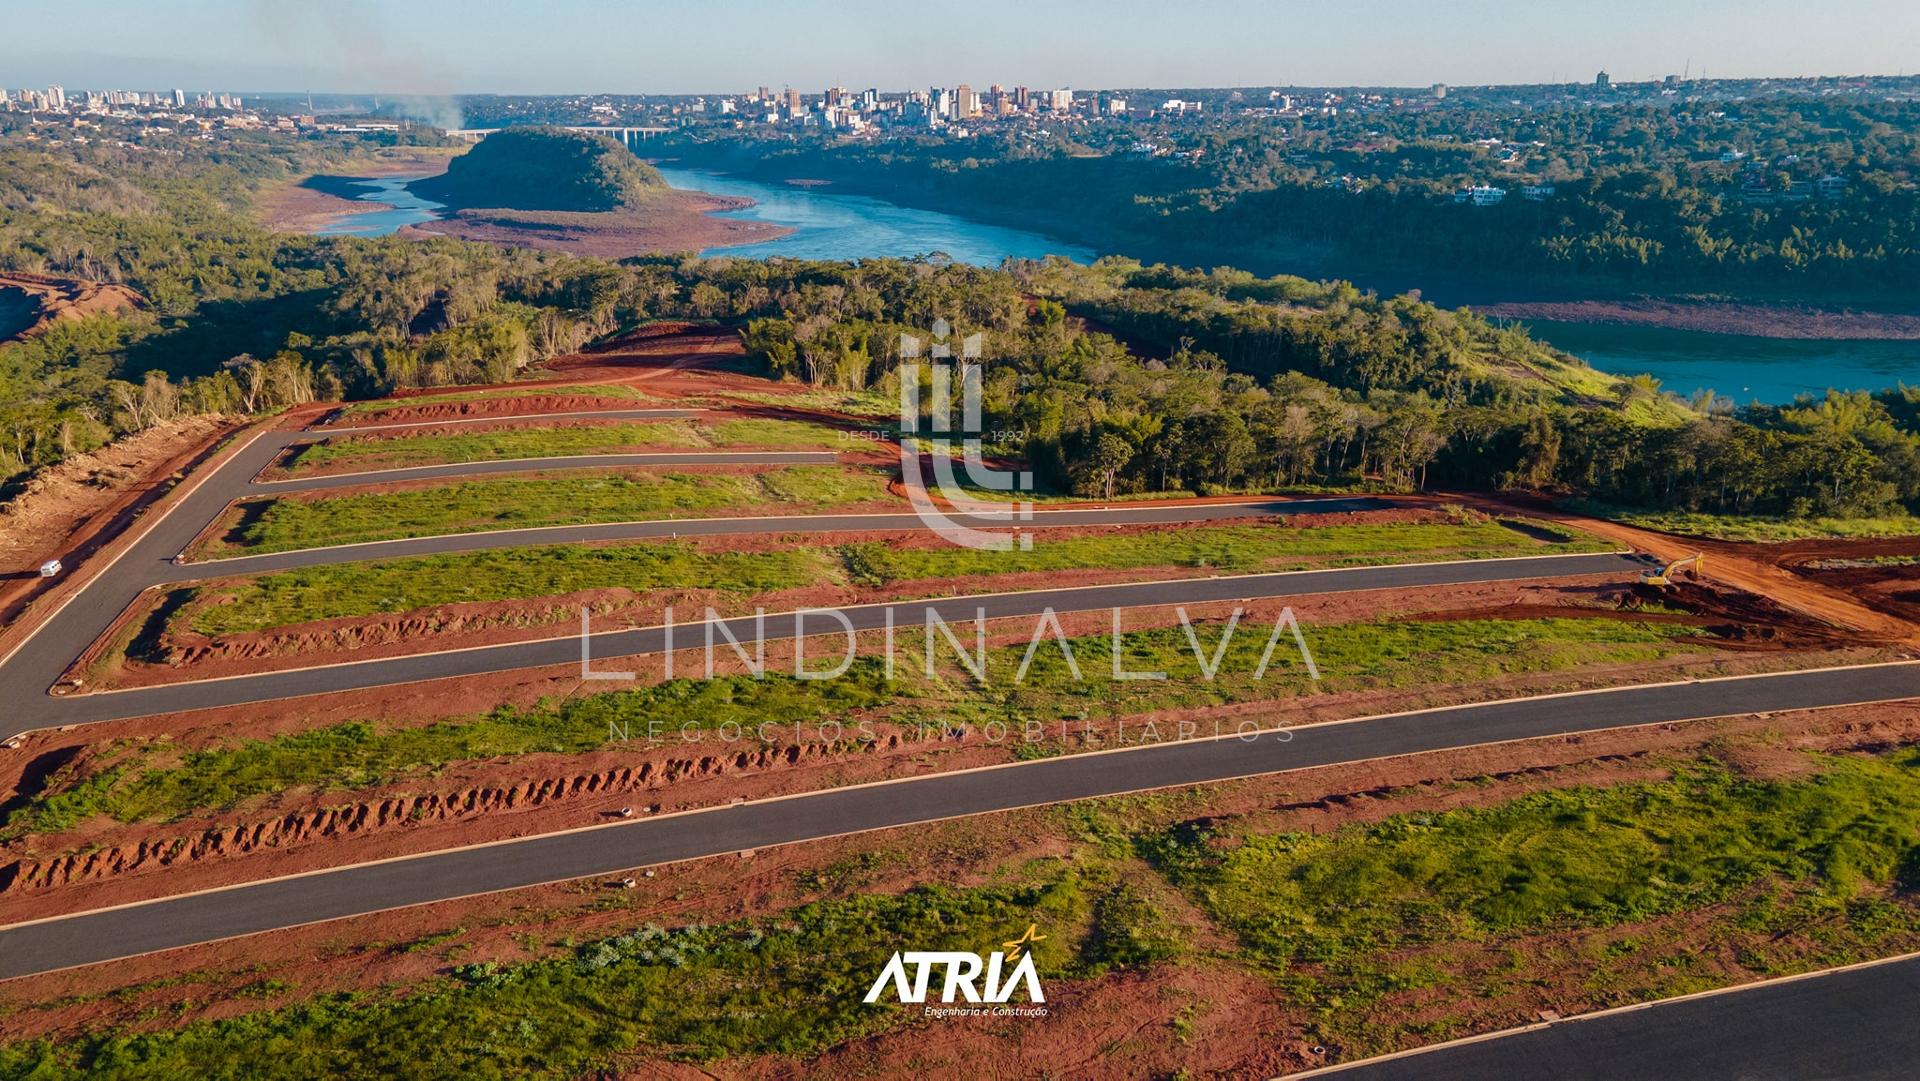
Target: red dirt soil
<point>79,508</point>
<point>669,221</point>
<point>468,802</point>
<point>1884,574</point>
<point>1151,1023</point>
<point>1754,568</point>
<point>67,298</point>
<point>478,623</point>
<point>1718,317</point>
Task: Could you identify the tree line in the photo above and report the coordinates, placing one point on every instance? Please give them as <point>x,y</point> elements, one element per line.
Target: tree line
<point>1113,378</point>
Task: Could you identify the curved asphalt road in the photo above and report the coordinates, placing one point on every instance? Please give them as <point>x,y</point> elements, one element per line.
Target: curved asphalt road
<point>527,465</point>
<point>1855,1023</point>
<point>107,934</point>
<point>808,523</point>
<point>27,674</point>
<point>1850,1024</point>
<point>44,710</point>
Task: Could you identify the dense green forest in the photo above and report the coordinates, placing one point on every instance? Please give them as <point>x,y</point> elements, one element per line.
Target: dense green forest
<point>1113,378</point>
<point>1693,196</point>
<point>1229,381</point>
<point>543,169</point>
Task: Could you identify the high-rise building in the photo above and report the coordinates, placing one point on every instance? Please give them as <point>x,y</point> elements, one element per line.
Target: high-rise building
<point>966,103</point>
<point>1061,100</point>
<point>56,97</point>
<point>1603,82</point>
<point>794,105</point>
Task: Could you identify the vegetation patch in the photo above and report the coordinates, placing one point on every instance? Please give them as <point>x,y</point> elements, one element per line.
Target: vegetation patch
<point>390,453</point>
<point>286,524</point>
<point>358,589</point>
<point>1378,936</point>
<point>1754,527</point>
<point>492,446</point>
<point>543,168</point>
<point>154,782</point>
<point>619,391</point>
<point>1225,548</point>
<point>1347,920</point>
<point>790,985</point>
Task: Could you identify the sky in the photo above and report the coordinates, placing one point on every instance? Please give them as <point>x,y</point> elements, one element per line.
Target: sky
<point>437,47</point>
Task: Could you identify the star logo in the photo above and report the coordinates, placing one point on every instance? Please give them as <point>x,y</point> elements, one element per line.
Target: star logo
<point>1013,948</point>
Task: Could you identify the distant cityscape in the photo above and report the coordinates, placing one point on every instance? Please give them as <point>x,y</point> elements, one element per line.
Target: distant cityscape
<point>854,112</point>
<point>165,111</point>
<point>1168,123</point>
<point>868,111</point>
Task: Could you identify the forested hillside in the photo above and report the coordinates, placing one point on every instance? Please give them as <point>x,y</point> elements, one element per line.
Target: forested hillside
<point>1112,378</point>
<point>1701,196</point>
<point>543,169</point>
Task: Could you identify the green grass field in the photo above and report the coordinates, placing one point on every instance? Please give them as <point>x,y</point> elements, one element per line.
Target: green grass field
<point>1225,548</point>
<point>612,391</point>
<point>284,524</point>
<point>786,986</point>
<point>1464,912</point>
<point>390,453</point>
<point>762,432</point>
<point>357,589</point>
<point>872,404</point>
<point>151,782</point>
<point>1350,918</point>
<point>1755,528</point>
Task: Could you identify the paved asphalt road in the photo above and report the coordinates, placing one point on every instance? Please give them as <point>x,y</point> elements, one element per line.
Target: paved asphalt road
<point>527,465</point>
<point>1122,514</point>
<point>107,934</point>
<point>31,670</point>
<point>1855,1024</point>
<point>43,710</point>
<point>328,430</point>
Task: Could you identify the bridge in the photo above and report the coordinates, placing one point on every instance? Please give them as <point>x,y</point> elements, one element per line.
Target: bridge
<point>627,136</point>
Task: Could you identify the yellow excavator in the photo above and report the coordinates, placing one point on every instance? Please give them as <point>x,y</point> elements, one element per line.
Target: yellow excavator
<point>1664,575</point>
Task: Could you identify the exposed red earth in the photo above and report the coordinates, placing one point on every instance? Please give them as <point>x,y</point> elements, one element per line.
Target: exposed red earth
<point>1761,608</point>
<point>1138,1023</point>
<point>58,299</point>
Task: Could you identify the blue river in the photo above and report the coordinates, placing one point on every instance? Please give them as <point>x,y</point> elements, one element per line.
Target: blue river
<point>1736,366</point>
<point>833,226</point>
<point>407,209</point>
<point>830,226</point>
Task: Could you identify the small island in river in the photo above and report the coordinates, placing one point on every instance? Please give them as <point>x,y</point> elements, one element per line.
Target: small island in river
<point>578,192</point>
<point>546,188</point>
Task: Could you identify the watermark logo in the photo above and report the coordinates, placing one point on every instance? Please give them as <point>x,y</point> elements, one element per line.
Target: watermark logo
<point>971,498</point>
<point>966,977</point>
<point>974,659</point>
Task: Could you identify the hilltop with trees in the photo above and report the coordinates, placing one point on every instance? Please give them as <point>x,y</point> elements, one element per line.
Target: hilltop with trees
<point>1114,378</point>
<point>544,169</point>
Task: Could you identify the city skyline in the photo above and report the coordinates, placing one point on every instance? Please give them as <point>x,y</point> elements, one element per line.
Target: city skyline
<point>441,50</point>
